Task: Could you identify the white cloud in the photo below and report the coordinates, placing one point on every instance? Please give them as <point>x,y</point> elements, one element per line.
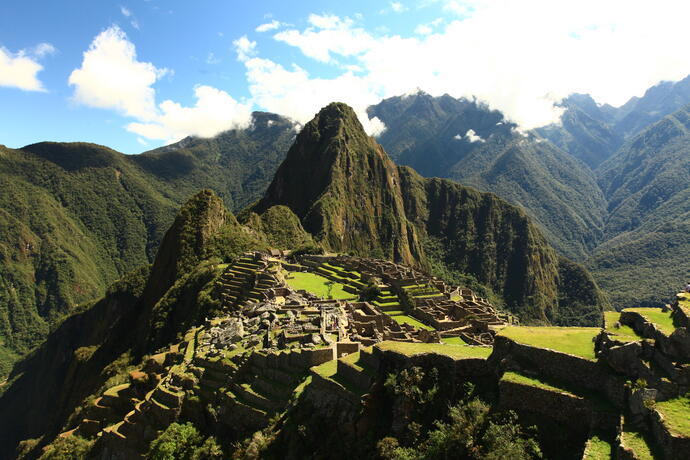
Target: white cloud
<point>398,7</point>
<point>518,57</point>
<point>126,12</point>
<point>295,94</point>
<point>326,35</point>
<point>42,49</point>
<point>111,77</point>
<point>20,70</point>
<point>471,136</point>
<point>215,111</point>
<point>269,26</point>
<point>245,48</point>
<point>423,29</point>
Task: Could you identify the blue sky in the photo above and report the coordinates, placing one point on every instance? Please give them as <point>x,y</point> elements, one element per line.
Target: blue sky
<point>137,74</point>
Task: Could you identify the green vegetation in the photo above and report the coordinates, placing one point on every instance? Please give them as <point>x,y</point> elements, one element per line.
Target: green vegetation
<point>647,188</point>
<point>471,432</point>
<point>67,448</point>
<point>622,332</point>
<point>675,413</point>
<point>452,340</point>
<point>661,319</point>
<point>598,448</point>
<point>533,382</point>
<point>327,369</point>
<point>639,444</point>
<point>406,319</point>
<point>576,341</point>
<point>184,442</point>
<point>454,351</point>
<point>317,285</point>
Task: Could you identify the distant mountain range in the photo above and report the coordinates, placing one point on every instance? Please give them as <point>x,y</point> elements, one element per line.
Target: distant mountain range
<point>606,188</point>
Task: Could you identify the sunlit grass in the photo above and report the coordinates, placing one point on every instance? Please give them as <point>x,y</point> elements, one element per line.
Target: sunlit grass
<point>454,351</point>
<point>577,341</point>
<point>316,284</point>
<point>662,319</point>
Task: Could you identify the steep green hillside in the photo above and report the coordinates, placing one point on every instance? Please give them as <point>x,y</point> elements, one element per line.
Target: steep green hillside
<point>143,311</point>
<point>648,187</point>
<point>467,142</point>
<point>237,164</point>
<point>75,217</point>
<point>351,197</point>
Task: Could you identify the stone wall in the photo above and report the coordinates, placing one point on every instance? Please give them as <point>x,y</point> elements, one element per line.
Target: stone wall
<point>575,411</point>
<point>673,447</point>
<point>591,375</point>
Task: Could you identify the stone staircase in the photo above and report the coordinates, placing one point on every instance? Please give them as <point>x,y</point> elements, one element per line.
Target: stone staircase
<point>245,280</point>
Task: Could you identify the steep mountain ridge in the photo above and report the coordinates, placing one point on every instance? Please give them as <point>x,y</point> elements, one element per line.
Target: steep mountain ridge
<point>647,185</point>
<point>344,188</point>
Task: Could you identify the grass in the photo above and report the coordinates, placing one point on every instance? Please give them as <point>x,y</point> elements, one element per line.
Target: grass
<point>327,369</point>
<point>623,333</point>
<point>335,268</point>
<point>316,284</point>
<point>532,382</point>
<point>676,413</point>
<point>575,341</point>
<point>637,442</point>
<point>598,449</point>
<point>115,391</point>
<point>405,319</point>
<point>453,351</point>
<point>299,389</point>
<point>453,340</point>
<point>662,319</point>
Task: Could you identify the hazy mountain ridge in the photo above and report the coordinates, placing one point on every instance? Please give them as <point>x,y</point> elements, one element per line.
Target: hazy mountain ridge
<point>465,141</point>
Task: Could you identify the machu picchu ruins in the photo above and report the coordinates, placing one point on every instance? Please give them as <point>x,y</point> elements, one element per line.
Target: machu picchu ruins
<point>277,344</point>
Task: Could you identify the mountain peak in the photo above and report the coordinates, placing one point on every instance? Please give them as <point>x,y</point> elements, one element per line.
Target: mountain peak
<point>342,186</point>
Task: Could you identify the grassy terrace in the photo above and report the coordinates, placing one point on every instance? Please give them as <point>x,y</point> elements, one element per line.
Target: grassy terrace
<point>327,369</point>
<point>675,413</point>
<point>654,315</point>
<point>334,268</point>
<point>454,351</point>
<point>453,340</point>
<point>575,341</point>
<point>316,284</point>
<point>405,319</point>
<point>637,442</point>
<point>598,449</point>
<point>529,381</point>
<point>624,333</point>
